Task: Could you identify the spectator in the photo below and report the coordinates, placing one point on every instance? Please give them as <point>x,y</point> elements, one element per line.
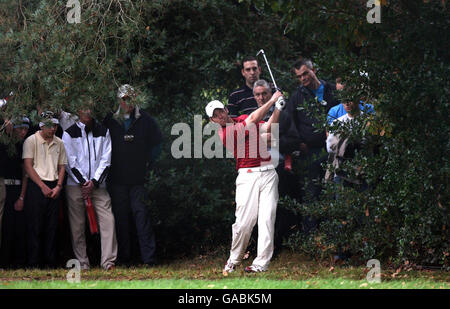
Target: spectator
<point>339,110</point>
<point>256,184</point>
<point>341,148</point>
<point>13,249</point>
<point>6,126</point>
<point>241,101</point>
<point>297,131</point>
<point>88,147</point>
<point>44,159</point>
<point>136,143</point>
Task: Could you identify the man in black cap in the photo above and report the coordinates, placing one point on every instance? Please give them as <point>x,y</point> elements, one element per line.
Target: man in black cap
<point>13,249</point>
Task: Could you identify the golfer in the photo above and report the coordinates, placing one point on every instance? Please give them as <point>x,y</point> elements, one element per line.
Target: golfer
<point>257,181</point>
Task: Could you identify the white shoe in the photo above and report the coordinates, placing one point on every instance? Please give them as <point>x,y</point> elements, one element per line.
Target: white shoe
<point>254,269</point>
<point>229,268</point>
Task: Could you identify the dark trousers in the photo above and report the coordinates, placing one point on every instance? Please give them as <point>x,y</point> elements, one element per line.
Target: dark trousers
<point>128,207</point>
<point>312,162</point>
<point>42,222</point>
<point>312,173</point>
<point>13,249</point>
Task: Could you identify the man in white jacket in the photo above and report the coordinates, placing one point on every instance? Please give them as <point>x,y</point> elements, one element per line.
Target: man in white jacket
<point>88,147</point>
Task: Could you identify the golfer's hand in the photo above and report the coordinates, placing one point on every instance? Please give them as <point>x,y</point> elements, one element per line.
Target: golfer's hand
<point>276,95</point>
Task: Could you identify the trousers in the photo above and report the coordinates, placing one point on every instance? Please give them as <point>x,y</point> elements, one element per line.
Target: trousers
<point>256,201</point>
<point>105,218</point>
<point>130,210</point>
<point>42,221</point>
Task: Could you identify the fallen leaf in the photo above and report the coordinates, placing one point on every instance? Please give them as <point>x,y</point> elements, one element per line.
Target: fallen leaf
<point>363,285</point>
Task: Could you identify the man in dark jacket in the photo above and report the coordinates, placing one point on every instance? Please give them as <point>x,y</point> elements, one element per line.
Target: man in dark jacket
<point>13,248</point>
<point>136,141</point>
<point>297,131</point>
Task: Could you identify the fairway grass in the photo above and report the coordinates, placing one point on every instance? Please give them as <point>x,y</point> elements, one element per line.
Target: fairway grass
<point>287,271</point>
<point>228,283</point>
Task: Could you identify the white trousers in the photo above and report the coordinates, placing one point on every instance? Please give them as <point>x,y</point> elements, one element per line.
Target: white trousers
<point>256,200</point>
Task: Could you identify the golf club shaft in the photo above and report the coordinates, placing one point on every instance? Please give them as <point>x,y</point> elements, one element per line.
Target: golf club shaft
<point>268,66</point>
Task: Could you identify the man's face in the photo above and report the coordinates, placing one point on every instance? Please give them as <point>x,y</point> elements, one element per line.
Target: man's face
<point>251,72</point>
<point>305,75</point>
<point>262,95</point>
<point>21,132</point>
<point>220,116</point>
<point>49,131</point>
<point>127,104</point>
<point>349,106</point>
<point>85,116</point>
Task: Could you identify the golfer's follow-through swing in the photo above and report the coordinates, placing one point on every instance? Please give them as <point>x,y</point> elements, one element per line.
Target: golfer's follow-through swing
<point>257,180</point>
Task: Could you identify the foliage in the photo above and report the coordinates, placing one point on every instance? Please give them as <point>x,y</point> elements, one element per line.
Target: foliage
<point>404,214</point>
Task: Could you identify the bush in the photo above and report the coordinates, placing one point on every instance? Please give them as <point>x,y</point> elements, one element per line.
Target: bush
<point>403,216</point>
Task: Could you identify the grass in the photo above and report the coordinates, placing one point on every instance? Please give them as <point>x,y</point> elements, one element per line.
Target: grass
<point>287,271</point>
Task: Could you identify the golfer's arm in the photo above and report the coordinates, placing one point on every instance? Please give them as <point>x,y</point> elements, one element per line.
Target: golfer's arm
<point>61,172</point>
<point>259,114</point>
<point>274,118</point>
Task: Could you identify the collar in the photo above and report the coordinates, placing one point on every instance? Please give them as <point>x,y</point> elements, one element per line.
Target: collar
<point>82,126</point>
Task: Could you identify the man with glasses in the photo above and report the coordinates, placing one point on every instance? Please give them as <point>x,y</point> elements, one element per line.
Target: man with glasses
<point>136,142</point>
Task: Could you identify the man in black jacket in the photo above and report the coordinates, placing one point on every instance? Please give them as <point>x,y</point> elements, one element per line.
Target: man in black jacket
<point>136,141</point>
<point>297,131</point>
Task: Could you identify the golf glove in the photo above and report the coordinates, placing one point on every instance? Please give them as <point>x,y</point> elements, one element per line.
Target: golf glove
<point>280,104</point>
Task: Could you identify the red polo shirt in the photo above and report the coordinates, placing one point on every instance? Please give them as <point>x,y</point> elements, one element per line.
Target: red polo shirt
<point>246,143</point>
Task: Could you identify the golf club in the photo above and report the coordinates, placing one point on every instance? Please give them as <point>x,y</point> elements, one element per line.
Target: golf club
<point>280,99</point>
<point>267,63</point>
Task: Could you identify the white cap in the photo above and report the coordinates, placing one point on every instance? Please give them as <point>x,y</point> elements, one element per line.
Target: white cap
<point>212,106</point>
<point>50,120</point>
<point>125,90</point>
